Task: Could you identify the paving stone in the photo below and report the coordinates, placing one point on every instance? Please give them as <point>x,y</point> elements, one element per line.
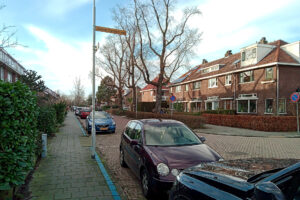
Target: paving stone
<point>68,172</point>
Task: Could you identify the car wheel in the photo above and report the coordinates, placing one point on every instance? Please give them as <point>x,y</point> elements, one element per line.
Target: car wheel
<point>147,185</point>
<point>178,195</point>
<point>122,161</point>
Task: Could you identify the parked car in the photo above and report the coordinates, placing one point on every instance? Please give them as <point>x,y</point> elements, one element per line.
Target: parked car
<point>202,182</point>
<point>84,113</point>
<point>103,122</point>
<point>77,111</point>
<point>157,150</point>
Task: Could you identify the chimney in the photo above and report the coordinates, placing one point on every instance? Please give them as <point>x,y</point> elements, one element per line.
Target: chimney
<point>204,61</point>
<point>228,53</point>
<point>263,41</point>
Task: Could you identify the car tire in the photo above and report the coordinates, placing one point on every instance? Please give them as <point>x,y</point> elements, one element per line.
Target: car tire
<point>176,195</point>
<point>122,161</point>
<point>147,184</point>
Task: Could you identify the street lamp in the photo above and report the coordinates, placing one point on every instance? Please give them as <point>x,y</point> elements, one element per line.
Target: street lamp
<point>107,30</point>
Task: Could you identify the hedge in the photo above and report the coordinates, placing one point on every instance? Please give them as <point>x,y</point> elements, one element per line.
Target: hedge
<point>260,123</point>
<point>60,111</point>
<point>18,133</point>
<point>47,120</point>
<point>191,121</point>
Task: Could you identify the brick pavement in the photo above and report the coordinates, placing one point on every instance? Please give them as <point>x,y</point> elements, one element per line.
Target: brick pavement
<point>68,172</point>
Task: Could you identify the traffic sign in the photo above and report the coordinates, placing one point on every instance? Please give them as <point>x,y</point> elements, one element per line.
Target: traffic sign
<point>110,30</point>
<point>172,98</point>
<point>295,97</point>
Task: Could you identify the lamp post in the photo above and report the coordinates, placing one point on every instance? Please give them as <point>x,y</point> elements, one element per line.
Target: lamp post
<point>107,30</point>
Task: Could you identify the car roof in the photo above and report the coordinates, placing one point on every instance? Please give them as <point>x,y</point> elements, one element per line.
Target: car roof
<point>159,121</point>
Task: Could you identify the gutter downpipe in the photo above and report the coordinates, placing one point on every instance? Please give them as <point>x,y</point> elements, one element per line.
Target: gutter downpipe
<point>277,89</point>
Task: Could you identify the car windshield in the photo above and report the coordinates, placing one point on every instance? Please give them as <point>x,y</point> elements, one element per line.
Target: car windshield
<point>101,115</point>
<point>86,110</point>
<point>169,135</point>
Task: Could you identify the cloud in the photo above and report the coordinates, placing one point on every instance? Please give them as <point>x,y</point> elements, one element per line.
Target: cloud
<point>60,61</point>
<point>231,24</point>
<point>60,7</point>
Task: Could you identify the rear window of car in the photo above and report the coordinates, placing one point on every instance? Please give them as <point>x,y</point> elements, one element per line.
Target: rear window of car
<point>86,110</point>
<point>169,135</point>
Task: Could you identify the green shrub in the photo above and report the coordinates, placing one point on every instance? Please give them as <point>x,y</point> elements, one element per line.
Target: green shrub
<point>178,107</point>
<point>47,122</point>
<point>105,108</point>
<point>18,133</point>
<point>60,110</point>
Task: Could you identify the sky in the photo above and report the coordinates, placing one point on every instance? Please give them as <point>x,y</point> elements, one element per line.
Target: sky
<point>56,35</point>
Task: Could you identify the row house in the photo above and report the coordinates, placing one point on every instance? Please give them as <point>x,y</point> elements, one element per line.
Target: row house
<point>257,80</point>
<point>148,93</point>
<point>10,69</point>
<point>128,97</point>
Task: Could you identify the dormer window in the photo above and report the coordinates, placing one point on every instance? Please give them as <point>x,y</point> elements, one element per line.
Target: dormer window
<point>249,54</point>
<point>210,69</point>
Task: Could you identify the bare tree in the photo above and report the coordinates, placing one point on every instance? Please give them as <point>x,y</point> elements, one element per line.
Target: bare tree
<point>78,92</point>
<point>126,21</point>
<point>113,61</point>
<point>7,35</point>
<point>165,44</point>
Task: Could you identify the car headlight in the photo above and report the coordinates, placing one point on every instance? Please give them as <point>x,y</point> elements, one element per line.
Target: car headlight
<point>175,172</point>
<point>163,169</point>
<point>113,123</point>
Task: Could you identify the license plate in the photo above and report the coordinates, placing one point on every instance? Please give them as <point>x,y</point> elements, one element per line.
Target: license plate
<point>103,129</point>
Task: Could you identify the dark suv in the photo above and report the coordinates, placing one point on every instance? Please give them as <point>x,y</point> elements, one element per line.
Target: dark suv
<point>157,150</point>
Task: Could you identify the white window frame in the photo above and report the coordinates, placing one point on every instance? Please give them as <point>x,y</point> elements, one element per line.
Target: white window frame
<point>266,70</point>
<point>266,111</point>
<point>151,93</point>
<point>224,102</point>
<point>284,106</point>
<point>9,77</point>
<point>186,87</point>
<point>210,84</point>
<point>197,83</point>
<point>243,82</point>
<point>2,73</point>
<point>178,88</point>
<point>227,79</point>
<point>215,105</point>
<point>237,106</point>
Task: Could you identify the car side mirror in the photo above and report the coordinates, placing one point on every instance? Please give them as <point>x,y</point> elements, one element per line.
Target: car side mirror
<point>268,190</point>
<point>202,139</point>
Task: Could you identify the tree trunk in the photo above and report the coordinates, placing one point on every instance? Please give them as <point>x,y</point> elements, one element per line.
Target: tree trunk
<point>134,98</point>
<point>120,98</point>
<point>158,98</point>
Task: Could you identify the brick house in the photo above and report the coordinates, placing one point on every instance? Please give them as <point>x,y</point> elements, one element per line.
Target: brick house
<point>148,93</point>
<point>258,80</point>
<point>128,97</point>
<point>10,69</point>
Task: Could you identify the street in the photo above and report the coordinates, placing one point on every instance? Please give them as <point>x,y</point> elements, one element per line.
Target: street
<point>229,147</point>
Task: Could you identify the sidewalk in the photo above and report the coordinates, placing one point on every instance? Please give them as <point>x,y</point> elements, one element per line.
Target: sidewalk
<point>68,172</point>
<point>224,130</point>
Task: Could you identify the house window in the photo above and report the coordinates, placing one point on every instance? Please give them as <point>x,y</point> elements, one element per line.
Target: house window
<point>228,105</point>
<point>186,87</point>
<point>228,80</point>
<point>246,77</point>
<point>196,85</point>
<point>243,56</point>
<point>2,73</point>
<point>178,88</point>
<point>212,105</point>
<point>213,82</point>
<point>269,106</point>
<point>9,77</point>
<point>254,53</point>
<point>269,73</point>
<point>281,106</point>
<point>247,106</point>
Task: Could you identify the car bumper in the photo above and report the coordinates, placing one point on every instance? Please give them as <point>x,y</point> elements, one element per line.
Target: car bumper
<point>109,129</point>
<point>161,185</point>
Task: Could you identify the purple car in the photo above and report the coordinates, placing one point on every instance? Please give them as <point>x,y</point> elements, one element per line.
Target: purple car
<point>157,150</point>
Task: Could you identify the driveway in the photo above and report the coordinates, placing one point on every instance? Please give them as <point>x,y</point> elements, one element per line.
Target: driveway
<point>229,147</point>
